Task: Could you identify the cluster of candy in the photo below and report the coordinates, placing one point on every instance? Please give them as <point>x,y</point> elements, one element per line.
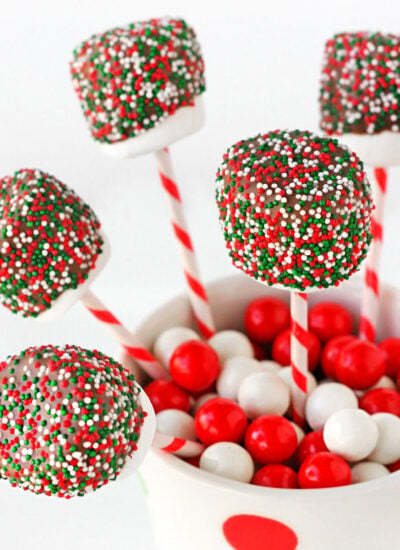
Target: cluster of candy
<point>234,395</point>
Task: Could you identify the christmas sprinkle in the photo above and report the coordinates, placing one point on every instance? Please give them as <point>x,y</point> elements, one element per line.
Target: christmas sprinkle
<point>360,85</point>
<point>49,241</point>
<point>295,209</point>
<point>69,419</point>
<point>130,79</point>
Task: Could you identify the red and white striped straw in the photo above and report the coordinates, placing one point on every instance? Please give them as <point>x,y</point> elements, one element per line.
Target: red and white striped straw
<point>197,293</point>
<point>125,338</point>
<point>177,446</point>
<point>299,353</point>
<point>370,297</point>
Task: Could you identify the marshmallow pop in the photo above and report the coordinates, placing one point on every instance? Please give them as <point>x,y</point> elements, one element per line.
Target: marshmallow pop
<point>360,102</point>
<point>140,89</point>
<point>295,211</point>
<point>71,420</point>
<point>51,249</point>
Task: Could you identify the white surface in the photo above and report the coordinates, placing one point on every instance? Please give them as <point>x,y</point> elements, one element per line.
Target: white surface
<point>262,69</point>
<point>186,121</point>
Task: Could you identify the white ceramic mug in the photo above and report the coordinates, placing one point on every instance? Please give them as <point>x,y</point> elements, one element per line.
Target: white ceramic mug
<point>195,510</point>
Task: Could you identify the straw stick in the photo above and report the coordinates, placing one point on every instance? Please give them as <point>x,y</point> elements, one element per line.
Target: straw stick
<point>197,293</point>
<point>124,337</point>
<point>299,353</point>
<point>370,297</point>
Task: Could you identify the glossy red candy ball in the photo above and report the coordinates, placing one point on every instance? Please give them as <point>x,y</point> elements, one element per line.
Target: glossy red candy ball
<point>394,467</point>
<point>276,475</point>
<point>165,394</point>
<point>311,444</point>
<point>194,365</point>
<point>360,365</point>
<point>266,317</point>
<point>281,349</point>
<point>328,320</point>
<point>391,346</point>
<point>270,439</point>
<point>260,352</point>
<point>381,400</point>
<point>324,470</point>
<point>220,419</point>
<point>331,351</point>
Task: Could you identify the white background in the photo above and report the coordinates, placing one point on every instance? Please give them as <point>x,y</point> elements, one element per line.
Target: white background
<point>262,69</point>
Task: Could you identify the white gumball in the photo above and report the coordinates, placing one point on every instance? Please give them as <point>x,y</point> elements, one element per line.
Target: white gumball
<point>299,432</point>
<point>169,340</point>
<point>202,399</point>
<point>231,343</point>
<point>176,423</point>
<point>286,374</point>
<point>263,393</point>
<point>387,449</point>
<point>385,382</point>
<point>270,366</point>
<point>235,370</point>
<point>351,434</point>
<point>366,471</point>
<point>228,460</point>
<point>326,399</point>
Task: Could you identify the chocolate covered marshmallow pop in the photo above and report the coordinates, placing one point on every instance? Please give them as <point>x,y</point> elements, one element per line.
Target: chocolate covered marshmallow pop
<point>51,249</point>
<point>71,420</point>
<point>360,102</point>
<point>140,89</point>
<point>295,211</point>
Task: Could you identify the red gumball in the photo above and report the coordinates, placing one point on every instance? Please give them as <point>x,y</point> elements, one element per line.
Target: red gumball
<point>194,365</point>
<point>220,419</point>
<point>328,320</point>
<point>381,400</point>
<point>276,475</point>
<point>270,439</point>
<point>193,461</point>
<point>260,352</point>
<point>165,394</point>
<point>266,317</point>
<point>324,470</point>
<point>281,349</point>
<point>360,365</point>
<point>394,467</point>
<point>331,352</point>
<point>391,347</point>
<point>311,444</point>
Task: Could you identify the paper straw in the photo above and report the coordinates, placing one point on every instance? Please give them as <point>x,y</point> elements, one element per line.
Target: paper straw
<point>197,293</point>
<point>124,337</point>
<point>299,353</point>
<point>177,446</point>
<point>370,296</point>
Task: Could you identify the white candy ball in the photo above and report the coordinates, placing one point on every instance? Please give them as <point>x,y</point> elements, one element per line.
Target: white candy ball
<point>202,399</point>
<point>231,343</point>
<point>228,460</point>
<point>351,434</point>
<point>366,471</point>
<point>384,382</point>
<point>387,449</point>
<point>326,399</point>
<point>169,340</point>
<point>176,423</point>
<point>263,393</point>
<point>299,432</point>
<point>270,366</point>
<point>235,370</point>
<point>286,374</point>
